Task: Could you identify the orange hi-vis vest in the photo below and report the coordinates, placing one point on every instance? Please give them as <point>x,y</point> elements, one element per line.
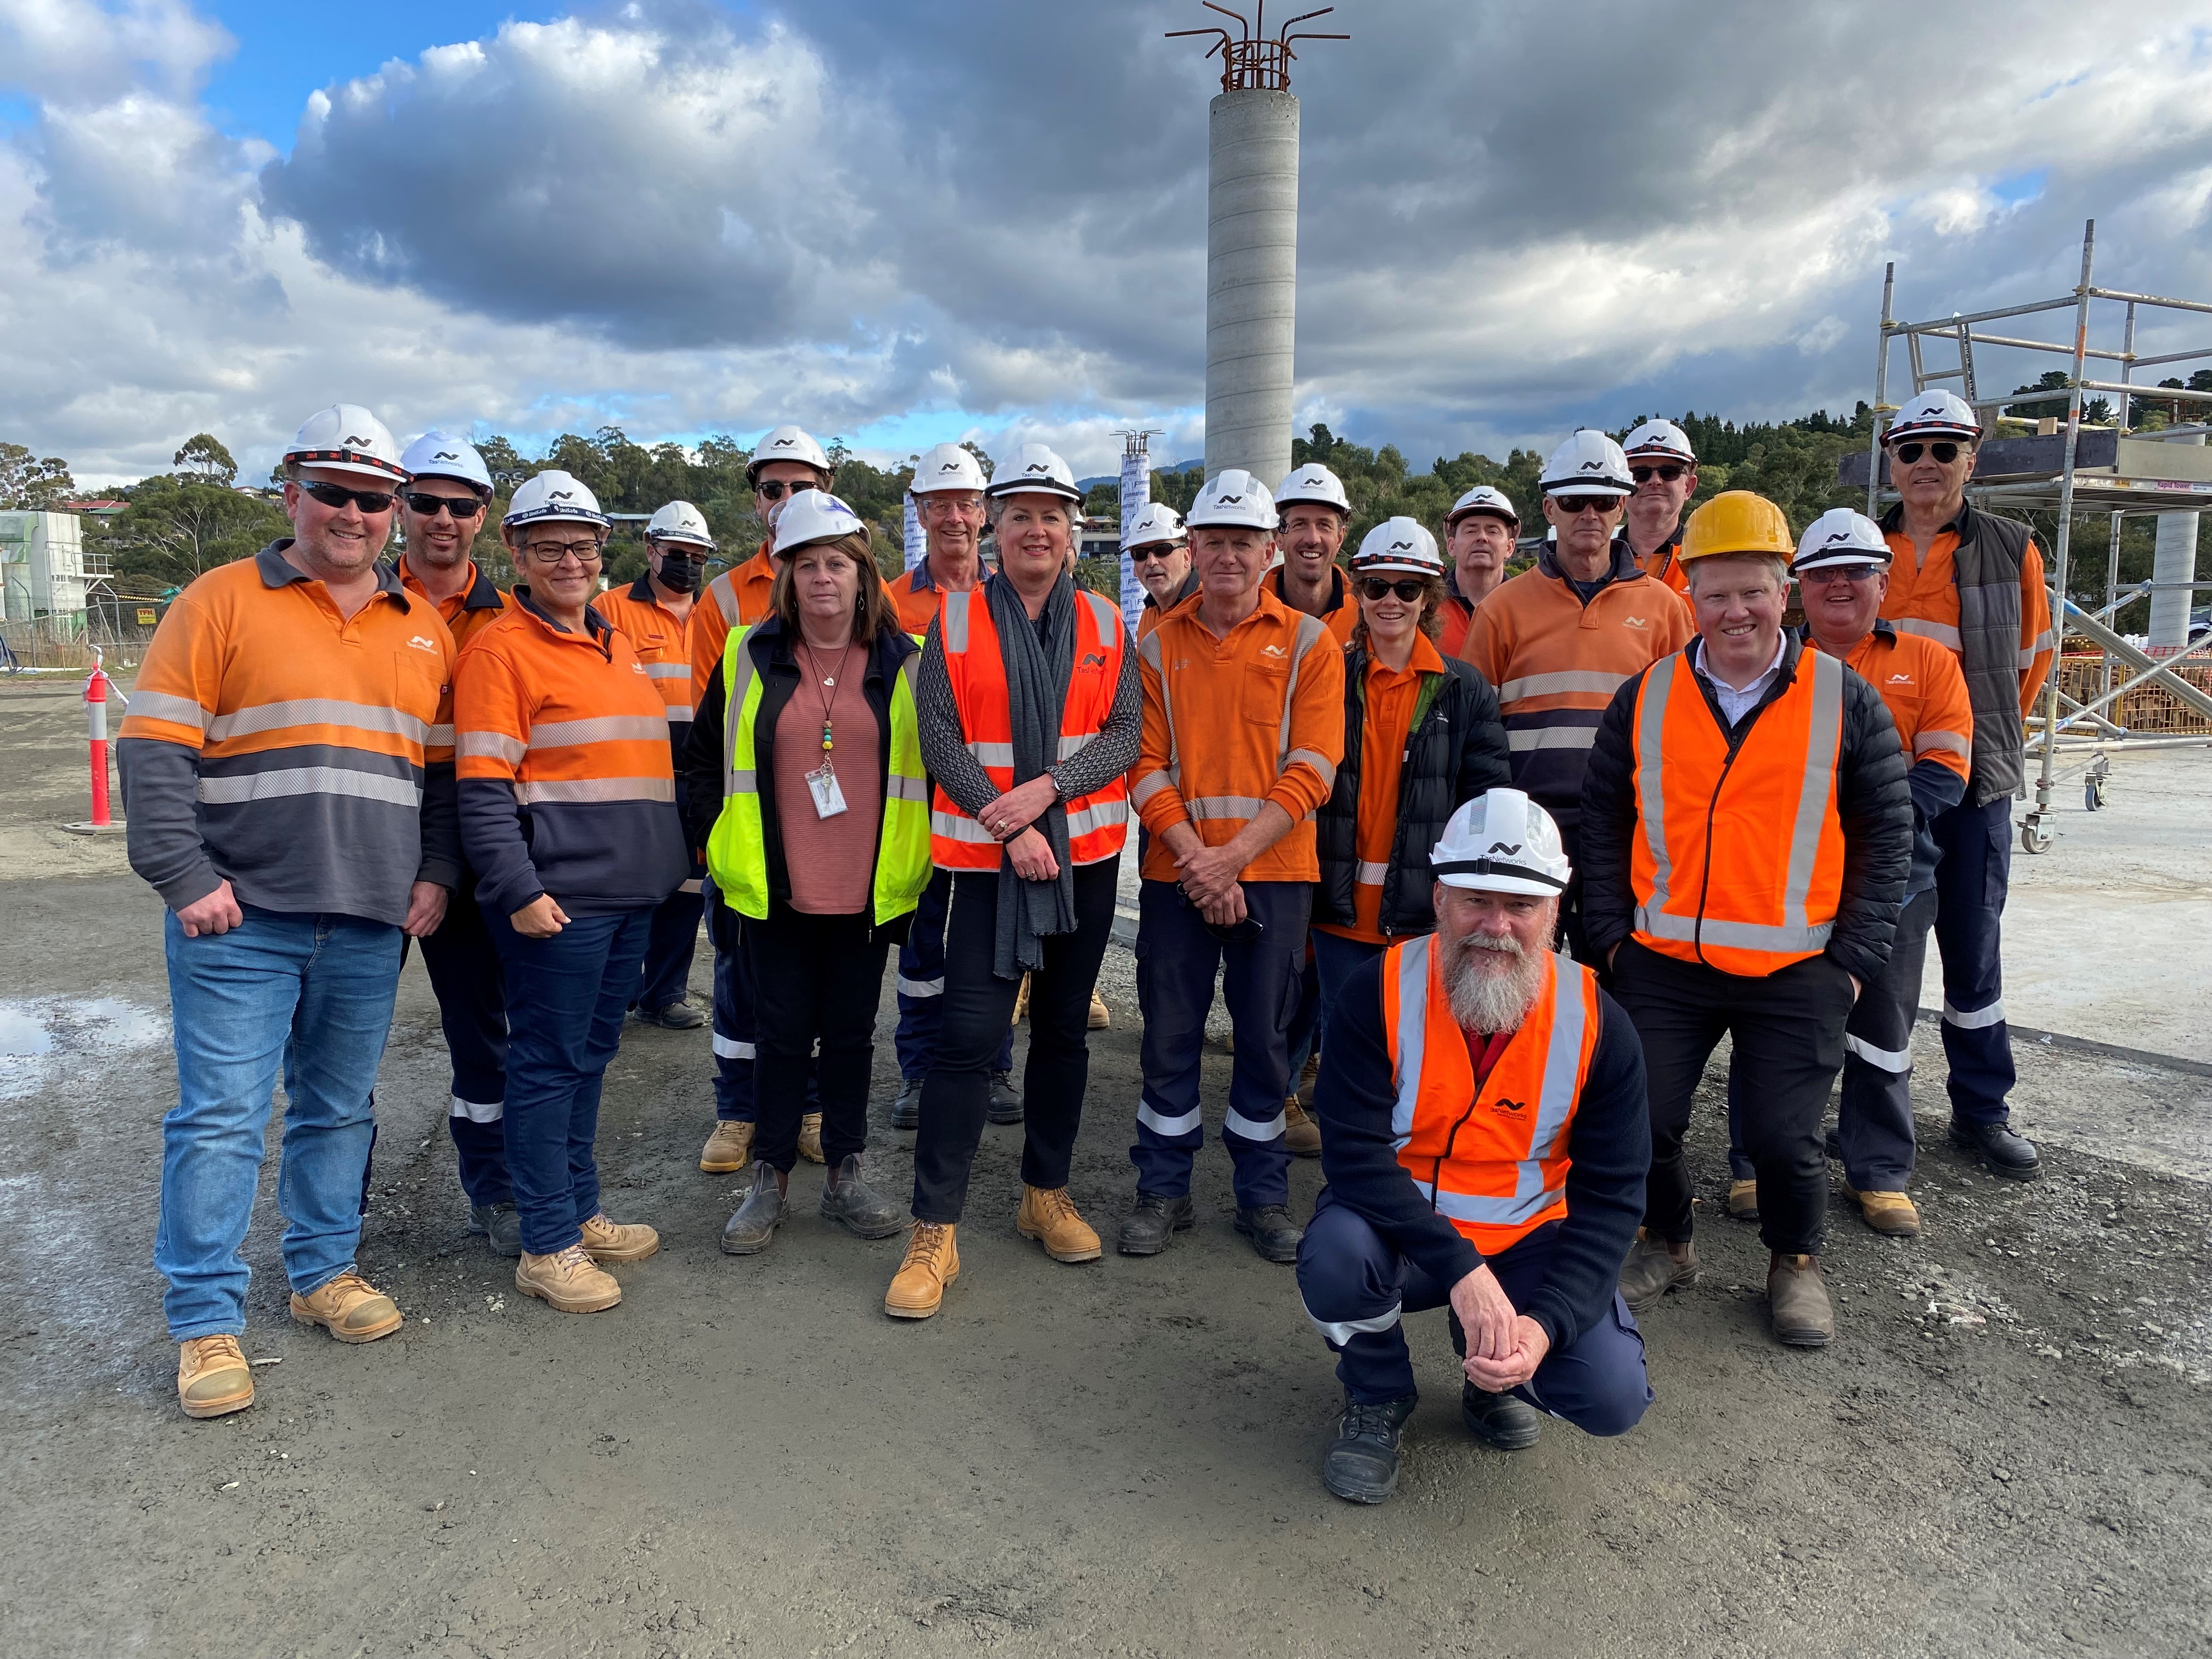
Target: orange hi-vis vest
<point>1492,1159</point>
<point>1098,823</point>
<point>1738,861</point>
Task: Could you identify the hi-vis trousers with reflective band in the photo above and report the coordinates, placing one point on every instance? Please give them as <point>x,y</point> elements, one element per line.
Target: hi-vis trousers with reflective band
<point>1973,867</point>
<point>921,985</point>
<point>465,974</point>
<point>1358,1289</point>
<point>1177,958</point>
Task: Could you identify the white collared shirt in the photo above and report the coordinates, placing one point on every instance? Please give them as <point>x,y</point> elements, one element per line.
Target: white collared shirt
<point>1735,704</point>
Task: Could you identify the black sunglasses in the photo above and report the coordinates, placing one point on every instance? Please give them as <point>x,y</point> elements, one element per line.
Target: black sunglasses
<point>1374,587</point>
<point>774,488</point>
<point>1668,473</point>
<point>461,507</point>
<point>1576,505</point>
<point>1944,451</point>
<point>337,495</point>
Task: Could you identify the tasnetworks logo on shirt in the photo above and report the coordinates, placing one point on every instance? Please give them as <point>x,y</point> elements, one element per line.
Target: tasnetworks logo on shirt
<point>418,643</point>
<point>1633,622</point>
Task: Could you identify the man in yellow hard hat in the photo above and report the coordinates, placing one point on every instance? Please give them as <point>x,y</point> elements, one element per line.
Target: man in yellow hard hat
<point>1747,832</point>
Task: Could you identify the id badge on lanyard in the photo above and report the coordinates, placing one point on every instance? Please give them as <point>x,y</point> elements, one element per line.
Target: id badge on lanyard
<point>829,798</point>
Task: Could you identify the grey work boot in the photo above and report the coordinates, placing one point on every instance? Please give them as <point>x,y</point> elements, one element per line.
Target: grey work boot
<point>859,1208</point>
<point>751,1227</point>
<point>1652,1269</point>
<point>1146,1230</point>
<point>499,1226</point>
<point>1797,1302</point>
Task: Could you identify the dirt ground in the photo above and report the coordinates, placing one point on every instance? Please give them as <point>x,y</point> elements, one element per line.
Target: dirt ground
<point>2008,1450</point>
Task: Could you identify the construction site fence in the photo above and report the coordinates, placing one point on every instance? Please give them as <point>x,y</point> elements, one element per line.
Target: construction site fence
<point>69,641</point>
<point>2150,708</point>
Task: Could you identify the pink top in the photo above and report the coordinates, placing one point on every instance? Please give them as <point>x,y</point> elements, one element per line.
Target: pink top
<point>830,861</point>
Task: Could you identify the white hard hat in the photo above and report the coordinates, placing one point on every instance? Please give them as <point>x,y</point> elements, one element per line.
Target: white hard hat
<point>1661,441</point>
<point>1236,497</point>
<point>1313,482</point>
<point>947,466</point>
<point>1483,499</point>
<point>1398,544</point>
<point>814,515</point>
<point>440,455</point>
<point>680,521</point>
<point>1588,463</point>
<point>1840,536</point>
<point>787,443</point>
<point>1156,522</point>
<point>553,495</point>
<point>1933,414</point>
<point>1502,843</point>
<point>347,438</point>
<point>1034,469</point>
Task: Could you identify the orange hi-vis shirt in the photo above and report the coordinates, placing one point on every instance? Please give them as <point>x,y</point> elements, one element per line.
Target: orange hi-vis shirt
<point>736,599</point>
<point>662,641</point>
<point>465,614</point>
<point>276,745</point>
<point>919,599</point>
<point>1923,599</point>
<point>1664,563</point>
<point>1151,616</point>
<point>1926,693</point>
<point>1343,612</point>
<point>1234,722</point>
<point>567,785</point>
<point>1386,722</point>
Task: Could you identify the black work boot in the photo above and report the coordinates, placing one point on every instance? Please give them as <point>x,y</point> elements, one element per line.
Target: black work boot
<point>1505,1422</point>
<point>2002,1152</point>
<point>859,1208</point>
<point>1005,1105</point>
<point>1146,1230</point>
<point>1361,1465</point>
<point>906,1110</point>
<point>751,1227</point>
<point>1274,1236</point>
<point>499,1226</point>
<point>1653,1269</point>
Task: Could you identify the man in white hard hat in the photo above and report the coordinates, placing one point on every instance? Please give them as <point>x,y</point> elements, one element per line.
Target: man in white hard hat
<point>1160,555</point>
<point>275,767</point>
<point>1663,467</point>
<point>1314,514</point>
<point>448,488</point>
<point>948,498</point>
<point>1485,1147</point>
<point>1556,641</point>
<point>1478,534</point>
<point>1973,582</point>
<point>655,612</point>
<point>1243,729</point>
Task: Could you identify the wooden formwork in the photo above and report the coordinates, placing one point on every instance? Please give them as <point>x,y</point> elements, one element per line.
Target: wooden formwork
<point>2148,709</point>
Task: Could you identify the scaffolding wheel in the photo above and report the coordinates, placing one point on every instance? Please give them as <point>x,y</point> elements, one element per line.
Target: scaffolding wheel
<point>2093,783</point>
<point>2033,837</point>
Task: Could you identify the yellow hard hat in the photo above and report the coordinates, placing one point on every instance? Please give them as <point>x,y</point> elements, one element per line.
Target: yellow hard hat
<point>1737,521</point>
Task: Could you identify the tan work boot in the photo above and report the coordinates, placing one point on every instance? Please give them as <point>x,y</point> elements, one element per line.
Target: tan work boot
<point>1306,1075</point>
<point>809,1137</point>
<point>729,1149</point>
<point>619,1241</point>
<point>1653,1269</point>
<point>568,1281</point>
<point>1048,1215</point>
<point>1300,1135</point>
<point>350,1309</point>
<point>932,1262</point>
<point>1099,1019</point>
<point>1797,1302</point>
<point>1022,1000</point>
<point>1743,1201</point>
<point>1891,1214</point>
<point>212,1376</point>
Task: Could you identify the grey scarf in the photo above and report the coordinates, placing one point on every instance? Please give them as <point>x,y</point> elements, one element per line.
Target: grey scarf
<point>1037,692</point>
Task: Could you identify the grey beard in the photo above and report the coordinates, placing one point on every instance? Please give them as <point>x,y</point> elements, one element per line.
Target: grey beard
<point>1485,1000</point>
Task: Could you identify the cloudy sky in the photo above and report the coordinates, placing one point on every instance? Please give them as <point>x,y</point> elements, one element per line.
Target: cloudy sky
<point>903,223</point>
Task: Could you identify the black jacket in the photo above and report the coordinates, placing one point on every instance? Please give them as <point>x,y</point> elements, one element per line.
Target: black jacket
<point>1872,801</point>
<point>1455,751</point>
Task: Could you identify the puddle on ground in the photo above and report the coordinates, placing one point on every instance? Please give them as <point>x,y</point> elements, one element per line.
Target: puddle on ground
<point>43,1039</point>
<point>21,1034</point>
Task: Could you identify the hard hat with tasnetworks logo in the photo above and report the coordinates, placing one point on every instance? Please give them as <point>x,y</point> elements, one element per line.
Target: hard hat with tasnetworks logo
<point>440,455</point>
<point>814,515</point>
<point>1313,482</point>
<point>1660,441</point>
<point>679,521</point>
<point>553,496</point>
<point>1034,469</point>
<point>1588,463</point>
<point>947,466</point>
<point>1234,498</point>
<point>1840,536</point>
<point>1737,521</point>
<point>1483,499</point>
<point>787,443</point>
<point>1933,414</point>
<point>1398,546</point>
<point>1156,523</point>
<point>347,438</point>
<point>1502,843</point>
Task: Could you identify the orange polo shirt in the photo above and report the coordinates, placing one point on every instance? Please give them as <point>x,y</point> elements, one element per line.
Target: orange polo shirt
<point>736,599</point>
<point>919,599</point>
<point>1343,612</point>
<point>465,614</point>
<point>1927,594</point>
<point>662,642</point>
<point>1921,683</point>
<point>1385,723</point>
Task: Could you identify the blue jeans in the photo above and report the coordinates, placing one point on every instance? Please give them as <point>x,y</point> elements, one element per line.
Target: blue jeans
<point>311,995</point>
<point>566,997</point>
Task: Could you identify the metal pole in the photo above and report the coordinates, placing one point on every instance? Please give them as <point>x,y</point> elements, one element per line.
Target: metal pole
<point>2112,550</point>
<point>2065,539</point>
<point>1880,389</point>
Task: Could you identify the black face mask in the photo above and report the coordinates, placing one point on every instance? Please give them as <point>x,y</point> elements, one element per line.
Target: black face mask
<point>679,574</point>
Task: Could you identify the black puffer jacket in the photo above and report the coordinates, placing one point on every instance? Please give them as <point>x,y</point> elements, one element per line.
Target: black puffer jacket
<point>1872,801</point>
<point>1456,751</point>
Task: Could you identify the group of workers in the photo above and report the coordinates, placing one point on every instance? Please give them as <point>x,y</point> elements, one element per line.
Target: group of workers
<point>1485,866</point>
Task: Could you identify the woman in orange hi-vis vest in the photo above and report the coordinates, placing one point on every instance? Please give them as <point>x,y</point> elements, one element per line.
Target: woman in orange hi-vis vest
<point>1031,716</point>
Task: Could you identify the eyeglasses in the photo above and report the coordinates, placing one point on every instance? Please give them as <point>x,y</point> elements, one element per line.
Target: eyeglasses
<point>1666,474</point>
<point>1945,452</point>
<point>772,489</point>
<point>1574,506</point>
<point>337,495</point>
<point>461,507</point>
<point>1375,587</point>
<point>554,553</point>
<point>1853,574</point>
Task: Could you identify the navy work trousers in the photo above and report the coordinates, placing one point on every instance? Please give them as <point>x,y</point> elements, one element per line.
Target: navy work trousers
<point>921,986</point>
<point>666,974</point>
<point>1973,867</point>
<point>1177,956</point>
<point>1357,1289</point>
<point>465,974</point>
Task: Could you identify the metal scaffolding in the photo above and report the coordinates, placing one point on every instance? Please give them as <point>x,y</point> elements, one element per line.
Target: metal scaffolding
<point>2070,469</point>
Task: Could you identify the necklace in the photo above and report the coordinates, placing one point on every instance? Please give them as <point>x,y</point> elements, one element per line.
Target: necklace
<point>830,684</point>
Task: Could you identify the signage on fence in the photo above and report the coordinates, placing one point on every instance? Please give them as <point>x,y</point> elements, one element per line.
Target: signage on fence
<point>146,618</point>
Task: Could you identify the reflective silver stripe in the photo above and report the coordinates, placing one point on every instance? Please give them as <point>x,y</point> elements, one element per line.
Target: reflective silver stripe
<point>1823,747</point>
<point>1235,1122</point>
<point>1147,787</point>
<point>921,987</point>
<point>1413,1035</point>
<point>952,621</point>
<point>1897,1060</point>
<point>1098,815</point>
<point>492,745</point>
<point>694,886</point>
<point>1652,784</point>
<point>1342,1331</point>
<point>439,736</point>
<point>308,780</point>
<point>680,714</point>
<point>724,588</point>
<point>1975,1020</point>
<point>177,711</point>
<point>1732,935</point>
<point>1551,737</point>
<point>992,754</point>
<point>606,728</point>
<point>736,782</point>
<point>1946,740</point>
<point>731,1049</point>
<point>1070,747</point>
<point>1223,807</point>
<point>1566,681</point>
<point>1942,633</point>
<point>668,670</point>
<point>914,789</point>
<point>477,1111</point>
<point>742,783</point>
<point>1498,1211</point>
<point>1160,1124</point>
<point>1309,629</point>
<point>316,711</point>
<point>1104,615</point>
<point>958,826</point>
<point>2034,649</point>
<point>1364,874</point>
<point>1563,1063</point>
<point>1319,762</point>
<point>579,791</point>
<point>1151,651</point>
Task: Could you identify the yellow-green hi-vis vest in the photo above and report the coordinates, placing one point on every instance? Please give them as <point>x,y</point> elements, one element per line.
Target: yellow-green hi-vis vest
<point>737,852</point>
